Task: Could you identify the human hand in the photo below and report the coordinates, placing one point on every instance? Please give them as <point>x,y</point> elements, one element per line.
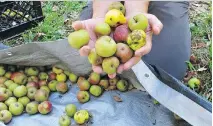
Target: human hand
<point>155,26</point>
<point>89,25</point>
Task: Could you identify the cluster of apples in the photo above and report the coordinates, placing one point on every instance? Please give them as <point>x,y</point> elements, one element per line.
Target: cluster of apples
<point>96,84</point>
<point>80,116</point>
<point>27,89</point>
<point>117,38</point>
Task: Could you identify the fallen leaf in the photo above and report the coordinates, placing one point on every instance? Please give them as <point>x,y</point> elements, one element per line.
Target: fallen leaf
<point>118,99</point>
<point>202,69</point>
<point>38,35</point>
<point>189,76</point>
<point>193,59</point>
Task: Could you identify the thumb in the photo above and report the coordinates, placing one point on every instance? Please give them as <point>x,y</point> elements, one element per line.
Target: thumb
<point>84,51</point>
<point>77,25</point>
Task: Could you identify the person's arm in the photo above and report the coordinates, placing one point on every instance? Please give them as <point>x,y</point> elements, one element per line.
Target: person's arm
<point>135,7</point>
<point>100,7</point>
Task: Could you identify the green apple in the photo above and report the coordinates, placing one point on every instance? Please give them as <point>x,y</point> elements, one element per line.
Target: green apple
<point>31,71</point>
<point>8,83</point>
<point>61,77</point>
<point>13,86</point>
<point>19,78</point>
<point>3,94</point>
<point>62,87</point>
<point>45,107</point>
<point>94,58</point>
<point>10,100</point>
<point>24,100</point>
<point>8,74</point>
<point>5,116</point>
<point>73,78</point>
<point>57,70</point>
<point>2,70</point>
<point>16,108</point>
<point>83,96</point>
<point>52,85</point>
<point>43,76</point>
<point>136,39</point>
<point>31,93</point>
<point>123,52</point>
<point>79,38</point>
<point>81,116</point>
<point>114,18</point>
<point>3,106</point>
<point>32,108</point>
<point>70,110</point>
<point>9,93</point>
<point>117,5</point>
<point>32,79</point>
<point>113,81</point>
<point>104,83</point>
<point>64,120</point>
<point>95,90</point>
<point>102,29</point>
<point>194,83</point>
<point>105,46</point>
<point>94,78</point>
<point>46,89</point>
<point>41,95</point>
<point>67,73</point>
<point>138,22</point>
<point>84,85</point>
<point>122,85</point>
<point>110,65</point>
<point>20,91</point>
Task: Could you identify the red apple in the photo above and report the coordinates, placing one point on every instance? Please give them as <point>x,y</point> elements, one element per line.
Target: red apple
<point>45,107</point>
<point>42,83</point>
<point>121,33</point>
<point>32,84</point>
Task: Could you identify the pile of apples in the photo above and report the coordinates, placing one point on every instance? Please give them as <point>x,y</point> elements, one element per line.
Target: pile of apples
<point>27,89</point>
<point>116,41</point>
<point>96,84</point>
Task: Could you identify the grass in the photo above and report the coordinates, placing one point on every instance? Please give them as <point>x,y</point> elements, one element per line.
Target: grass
<point>53,27</point>
<point>201,30</point>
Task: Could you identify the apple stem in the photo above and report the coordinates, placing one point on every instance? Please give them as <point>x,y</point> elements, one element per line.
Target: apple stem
<point>135,19</point>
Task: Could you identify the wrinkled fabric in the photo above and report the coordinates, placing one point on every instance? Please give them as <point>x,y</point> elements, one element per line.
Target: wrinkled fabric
<point>136,109</point>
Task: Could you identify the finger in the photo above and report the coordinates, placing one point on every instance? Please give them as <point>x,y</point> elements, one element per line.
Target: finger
<point>77,25</point>
<point>84,51</point>
<point>155,24</point>
<point>120,68</point>
<point>97,69</point>
<point>147,47</point>
<point>111,76</point>
<point>129,64</point>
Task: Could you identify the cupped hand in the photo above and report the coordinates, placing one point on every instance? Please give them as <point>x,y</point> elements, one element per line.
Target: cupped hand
<point>89,25</point>
<point>154,26</point>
